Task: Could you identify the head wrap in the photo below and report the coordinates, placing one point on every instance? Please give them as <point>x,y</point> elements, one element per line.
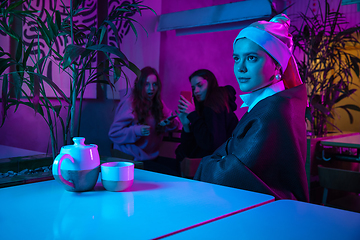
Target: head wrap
<point>274,38</point>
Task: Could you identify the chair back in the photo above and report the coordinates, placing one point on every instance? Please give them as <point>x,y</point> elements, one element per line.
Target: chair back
<point>339,179</point>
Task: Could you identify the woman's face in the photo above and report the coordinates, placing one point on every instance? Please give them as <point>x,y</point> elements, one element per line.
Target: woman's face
<point>151,86</point>
<point>199,87</point>
<point>253,67</point>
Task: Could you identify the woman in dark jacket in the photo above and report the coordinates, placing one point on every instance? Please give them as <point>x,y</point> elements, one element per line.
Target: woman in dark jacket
<point>210,120</point>
<point>267,150</point>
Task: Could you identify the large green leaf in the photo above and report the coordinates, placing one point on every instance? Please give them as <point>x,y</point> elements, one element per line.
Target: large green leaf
<point>45,33</point>
<point>349,114</point>
<point>2,7</point>
<point>29,104</point>
<point>58,19</point>
<point>77,3</point>
<point>14,5</point>
<point>109,49</point>
<point>53,29</point>
<point>16,84</point>
<point>5,64</point>
<point>355,65</point>
<point>322,109</point>
<point>115,31</point>
<point>28,52</point>
<point>53,85</point>
<point>19,51</point>
<point>345,95</point>
<point>102,33</point>
<point>72,52</point>
<point>350,106</point>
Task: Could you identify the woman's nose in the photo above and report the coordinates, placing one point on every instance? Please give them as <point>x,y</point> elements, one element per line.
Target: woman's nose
<point>242,67</point>
<point>151,87</point>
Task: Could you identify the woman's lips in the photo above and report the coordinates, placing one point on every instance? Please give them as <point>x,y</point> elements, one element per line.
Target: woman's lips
<point>243,80</point>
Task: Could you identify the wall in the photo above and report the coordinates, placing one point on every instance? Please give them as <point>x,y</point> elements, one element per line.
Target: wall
<point>180,56</point>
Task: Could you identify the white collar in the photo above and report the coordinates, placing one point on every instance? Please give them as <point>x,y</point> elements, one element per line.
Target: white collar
<point>251,99</point>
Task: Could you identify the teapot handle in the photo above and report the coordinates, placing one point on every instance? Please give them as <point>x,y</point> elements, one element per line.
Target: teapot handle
<point>57,165</point>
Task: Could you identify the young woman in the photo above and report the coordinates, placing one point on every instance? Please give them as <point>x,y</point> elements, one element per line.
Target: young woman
<point>267,150</point>
<point>208,122</point>
<point>141,119</point>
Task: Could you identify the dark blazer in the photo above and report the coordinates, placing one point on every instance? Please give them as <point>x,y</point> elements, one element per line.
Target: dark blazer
<point>208,131</point>
<point>267,150</point>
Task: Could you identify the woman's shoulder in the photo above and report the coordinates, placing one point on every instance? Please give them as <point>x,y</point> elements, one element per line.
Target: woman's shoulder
<point>289,97</point>
<point>125,99</point>
<point>125,93</point>
<point>282,103</point>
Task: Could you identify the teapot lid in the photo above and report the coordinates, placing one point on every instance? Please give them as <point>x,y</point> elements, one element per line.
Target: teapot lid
<point>79,142</point>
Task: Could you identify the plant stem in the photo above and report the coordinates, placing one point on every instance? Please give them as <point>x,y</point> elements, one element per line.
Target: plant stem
<point>74,90</point>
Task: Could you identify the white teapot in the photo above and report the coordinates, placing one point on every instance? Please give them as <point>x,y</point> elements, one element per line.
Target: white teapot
<point>77,166</point>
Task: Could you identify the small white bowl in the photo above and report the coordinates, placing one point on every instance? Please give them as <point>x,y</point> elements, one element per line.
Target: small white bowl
<point>117,176</point>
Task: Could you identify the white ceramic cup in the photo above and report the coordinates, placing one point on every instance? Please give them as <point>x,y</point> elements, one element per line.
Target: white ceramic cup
<point>117,176</point>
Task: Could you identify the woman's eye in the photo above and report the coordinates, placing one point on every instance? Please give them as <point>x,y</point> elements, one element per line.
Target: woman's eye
<point>236,59</point>
<point>252,58</point>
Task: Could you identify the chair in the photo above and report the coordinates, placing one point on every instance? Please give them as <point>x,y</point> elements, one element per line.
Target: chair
<point>344,180</point>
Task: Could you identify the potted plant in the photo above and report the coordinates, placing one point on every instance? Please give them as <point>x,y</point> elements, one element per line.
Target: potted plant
<point>325,64</point>
<point>23,75</point>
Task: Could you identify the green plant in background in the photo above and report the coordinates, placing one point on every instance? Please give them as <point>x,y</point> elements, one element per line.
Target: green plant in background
<point>24,78</point>
<point>325,64</point>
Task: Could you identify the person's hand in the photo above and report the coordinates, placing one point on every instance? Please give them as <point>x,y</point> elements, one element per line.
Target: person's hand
<point>145,130</point>
<point>185,106</point>
<point>184,121</point>
<point>167,121</point>
<point>183,118</point>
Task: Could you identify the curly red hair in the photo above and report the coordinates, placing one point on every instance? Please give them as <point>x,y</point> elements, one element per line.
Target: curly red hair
<point>142,105</point>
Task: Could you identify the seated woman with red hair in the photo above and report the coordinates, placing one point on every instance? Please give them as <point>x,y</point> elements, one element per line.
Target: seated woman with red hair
<point>140,121</point>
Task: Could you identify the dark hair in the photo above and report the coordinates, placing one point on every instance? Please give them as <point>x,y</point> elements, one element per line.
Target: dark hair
<point>217,98</point>
<point>141,104</point>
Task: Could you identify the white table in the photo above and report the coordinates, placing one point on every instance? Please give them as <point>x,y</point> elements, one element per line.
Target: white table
<point>155,205</point>
<point>283,219</point>
<point>352,141</point>
<point>9,152</point>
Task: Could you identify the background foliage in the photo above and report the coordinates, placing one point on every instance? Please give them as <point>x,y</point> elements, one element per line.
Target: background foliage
<point>325,64</point>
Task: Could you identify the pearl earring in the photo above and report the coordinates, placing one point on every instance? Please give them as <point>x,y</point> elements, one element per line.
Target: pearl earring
<point>278,77</point>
